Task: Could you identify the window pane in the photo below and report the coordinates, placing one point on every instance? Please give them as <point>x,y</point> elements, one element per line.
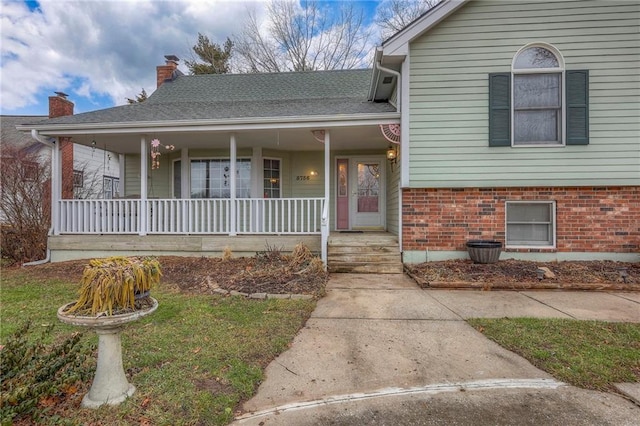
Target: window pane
<point>528,212</point>
<point>536,57</point>
<point>212,179</point>
<point>536,126</point>
<point>271,178</point>
<point>529,235</point>
<point>530,224</point>
<point>536,90</point>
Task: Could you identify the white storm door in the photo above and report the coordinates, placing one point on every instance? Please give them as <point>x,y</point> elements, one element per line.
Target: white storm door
<point>367,197</point>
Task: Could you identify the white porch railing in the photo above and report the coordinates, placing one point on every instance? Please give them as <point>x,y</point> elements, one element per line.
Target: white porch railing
<point>191,216</point>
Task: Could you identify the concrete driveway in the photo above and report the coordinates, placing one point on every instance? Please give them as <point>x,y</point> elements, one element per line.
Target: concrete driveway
<point>380,350</point>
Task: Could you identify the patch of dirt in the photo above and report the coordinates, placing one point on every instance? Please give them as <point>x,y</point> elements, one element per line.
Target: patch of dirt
<point>507,274</point>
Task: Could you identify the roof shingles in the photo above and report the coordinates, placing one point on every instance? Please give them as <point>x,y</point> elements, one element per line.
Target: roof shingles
<point>246,96</point>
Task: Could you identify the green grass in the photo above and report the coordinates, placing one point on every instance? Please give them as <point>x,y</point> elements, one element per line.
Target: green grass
<point>192,361</point>
<point>587,354</point>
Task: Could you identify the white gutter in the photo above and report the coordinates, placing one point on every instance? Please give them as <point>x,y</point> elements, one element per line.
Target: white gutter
<point>339,120</point>
<point>379,67</point>
<point>37,136</point>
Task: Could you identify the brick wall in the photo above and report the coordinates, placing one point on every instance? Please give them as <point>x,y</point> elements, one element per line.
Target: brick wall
<point>589,219</point>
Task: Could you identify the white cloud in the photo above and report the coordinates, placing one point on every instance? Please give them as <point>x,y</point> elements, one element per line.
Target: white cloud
<point>102,48</point>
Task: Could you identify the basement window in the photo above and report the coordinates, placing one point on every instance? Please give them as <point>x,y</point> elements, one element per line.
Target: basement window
<point>530,224</point>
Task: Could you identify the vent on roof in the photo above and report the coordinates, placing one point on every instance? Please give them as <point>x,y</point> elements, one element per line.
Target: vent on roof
<point>387,80</point>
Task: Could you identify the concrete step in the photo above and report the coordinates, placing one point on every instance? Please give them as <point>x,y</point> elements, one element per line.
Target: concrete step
<point>368,253</point>
<point>366,268</point>
<point>363,249</point>
<point>365,257</point>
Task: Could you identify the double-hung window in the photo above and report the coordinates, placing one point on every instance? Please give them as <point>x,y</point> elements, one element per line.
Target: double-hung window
<point>539,103</point>
<point>537,97</point>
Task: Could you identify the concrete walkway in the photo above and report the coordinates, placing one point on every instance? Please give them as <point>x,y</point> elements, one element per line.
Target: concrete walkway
<point>379,350</point>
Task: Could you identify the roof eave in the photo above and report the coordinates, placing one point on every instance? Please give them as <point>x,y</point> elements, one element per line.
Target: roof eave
<point>398,44</point>
<point>236,124</point>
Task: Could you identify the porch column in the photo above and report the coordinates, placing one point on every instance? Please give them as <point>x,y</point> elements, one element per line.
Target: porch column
<point>121,175</point>
<point>324,240</point>
<point>56,178</point>
<point>185,174</point>
<point>232,184</point>
<point>144,171</point>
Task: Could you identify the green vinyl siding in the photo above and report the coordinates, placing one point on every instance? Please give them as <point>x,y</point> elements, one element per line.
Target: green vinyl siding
<point>449,94</point>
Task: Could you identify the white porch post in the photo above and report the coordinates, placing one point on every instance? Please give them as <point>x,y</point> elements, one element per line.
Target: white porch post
<point>185,174</point>
<point>56,179</point>
<point>144,172</point>
<point>232,183</point>
<point>121,175</point>
<point>327,195</point>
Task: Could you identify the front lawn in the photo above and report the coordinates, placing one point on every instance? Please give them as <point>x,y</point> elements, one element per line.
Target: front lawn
<point>587,354</point>
<point>192,361</point>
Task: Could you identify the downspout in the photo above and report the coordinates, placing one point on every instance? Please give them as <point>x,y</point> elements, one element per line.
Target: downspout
<point>379,67</point>
<point>47,259</point>
<point>37,136</point>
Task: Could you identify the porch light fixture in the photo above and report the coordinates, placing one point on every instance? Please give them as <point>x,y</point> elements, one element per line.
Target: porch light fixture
<point>313,173</point>
<point>392,156</point>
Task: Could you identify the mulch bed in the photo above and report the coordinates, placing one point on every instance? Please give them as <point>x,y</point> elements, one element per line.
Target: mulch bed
<point>268,272</point>
<point>271,272</point>
<point>518,275</point>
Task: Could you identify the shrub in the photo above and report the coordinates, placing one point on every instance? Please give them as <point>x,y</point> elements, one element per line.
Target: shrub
<point>31,371</point>
<point>24,205</point>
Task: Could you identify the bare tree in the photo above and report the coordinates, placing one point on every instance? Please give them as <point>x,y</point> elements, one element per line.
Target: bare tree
<point>394,15</point>
<point>24,204</point>
<point>303,38</point>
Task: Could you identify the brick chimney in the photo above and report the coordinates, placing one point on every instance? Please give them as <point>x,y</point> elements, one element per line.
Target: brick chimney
<point>60,106</point>
<point>165,72</point>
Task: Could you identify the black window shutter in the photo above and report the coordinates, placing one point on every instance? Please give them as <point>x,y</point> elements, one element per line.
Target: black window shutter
<point>577,82</point>
<point>500,109</point>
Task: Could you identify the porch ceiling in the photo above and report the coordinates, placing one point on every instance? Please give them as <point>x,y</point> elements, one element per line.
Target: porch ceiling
<point>359,137</point>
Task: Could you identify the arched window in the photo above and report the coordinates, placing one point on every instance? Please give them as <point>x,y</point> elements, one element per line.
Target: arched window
<point>537,90</point>
<point>539,102</point>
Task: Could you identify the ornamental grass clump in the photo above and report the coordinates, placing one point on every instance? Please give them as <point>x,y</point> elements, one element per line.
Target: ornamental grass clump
<point>110,285</point>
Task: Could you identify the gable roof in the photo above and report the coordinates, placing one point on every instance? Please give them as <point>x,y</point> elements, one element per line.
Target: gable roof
<point>217,97</point>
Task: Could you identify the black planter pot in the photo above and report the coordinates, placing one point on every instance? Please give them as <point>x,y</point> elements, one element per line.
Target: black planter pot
<point>484,251</point>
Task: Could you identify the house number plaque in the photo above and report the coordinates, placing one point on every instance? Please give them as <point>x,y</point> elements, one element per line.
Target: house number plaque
<point>303,177</point>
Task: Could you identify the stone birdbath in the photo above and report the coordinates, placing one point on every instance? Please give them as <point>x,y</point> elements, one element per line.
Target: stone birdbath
<point>110,385</point>
<point>133,279</point>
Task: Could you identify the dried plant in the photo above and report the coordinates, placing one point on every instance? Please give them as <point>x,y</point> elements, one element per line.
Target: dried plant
<point>112,284</point>
<point>227,254</point>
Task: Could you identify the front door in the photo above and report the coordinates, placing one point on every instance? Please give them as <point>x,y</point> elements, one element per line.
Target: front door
<point>360,194</point>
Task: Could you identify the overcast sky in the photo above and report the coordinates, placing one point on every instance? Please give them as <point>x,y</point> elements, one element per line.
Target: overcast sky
<point>102,51</point>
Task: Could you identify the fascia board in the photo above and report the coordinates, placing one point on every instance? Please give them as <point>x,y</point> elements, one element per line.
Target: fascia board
<point>398,45</point>
<point>217,125</point>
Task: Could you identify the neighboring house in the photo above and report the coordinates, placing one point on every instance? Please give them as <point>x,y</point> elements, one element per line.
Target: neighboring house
<point>519,122</point>
<point>89,172</point>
